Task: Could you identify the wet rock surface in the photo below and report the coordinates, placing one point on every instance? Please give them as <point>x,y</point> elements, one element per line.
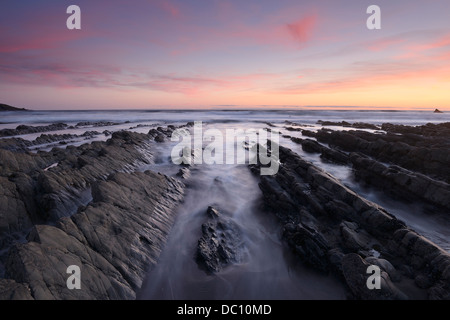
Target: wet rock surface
<point>333,229</point>
<point>84,206</point>
<point>345,124</point>
<point>47,140</point>
<point>392,179</point>
<point>403,183</point>
<point>114,240</point>
<point>27,129</point>
<point>90,207</point>
<point>424,149</point>
<point>221,243</point>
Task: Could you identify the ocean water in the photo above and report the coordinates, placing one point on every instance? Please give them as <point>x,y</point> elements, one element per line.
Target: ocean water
<point>12,119</point>
<point>269,270</point>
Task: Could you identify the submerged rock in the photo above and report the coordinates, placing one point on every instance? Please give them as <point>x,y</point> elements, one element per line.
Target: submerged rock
<point>221,243</point>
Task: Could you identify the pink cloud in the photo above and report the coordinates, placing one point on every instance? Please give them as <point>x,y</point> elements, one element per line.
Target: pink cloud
<point>169,7</point>
<point>383,44</point>
<point>443,41</point>
<point>281,35</point>
<point>302,29</point>
<point>79,74</point>
<point>370,77</point>
<point>38,30</point>
<point>431,50</point>
<point>199,84</point>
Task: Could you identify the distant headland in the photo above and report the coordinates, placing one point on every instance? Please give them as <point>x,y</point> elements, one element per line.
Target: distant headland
<point>5,107</point>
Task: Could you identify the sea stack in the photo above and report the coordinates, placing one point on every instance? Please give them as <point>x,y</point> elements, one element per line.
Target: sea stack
<point>437,111</point>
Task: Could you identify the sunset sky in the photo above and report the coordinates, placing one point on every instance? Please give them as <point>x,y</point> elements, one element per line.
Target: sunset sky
<point>223,53</point>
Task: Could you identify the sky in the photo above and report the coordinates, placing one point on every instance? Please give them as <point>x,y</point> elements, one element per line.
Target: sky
<point>142,54</point>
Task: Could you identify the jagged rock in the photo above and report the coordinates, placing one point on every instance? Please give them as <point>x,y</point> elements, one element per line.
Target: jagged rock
<point>312,146</point>
<point>221,243</point>
<point>355,238</point>
<point>355,273</point>
<point>309,245</point>
<point>386,266</point>
<point>323,219</point>
<point>308,133</point>
<point>24,129</point>
<point>11,290</point>
<point>96,124</point>
<point>357,125</point>
<point>394,179</point>
<point>184,173</point>
<point>422,148</point>
<point>423,281</point>
<point>309,145</point>
<point>50,187</point>
<point>113,240</point>
<point>13,212</point>
<point>160,138</point>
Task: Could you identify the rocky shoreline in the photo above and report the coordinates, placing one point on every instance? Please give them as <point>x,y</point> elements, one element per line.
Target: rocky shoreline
<point>94,206</point>
<point>333,229</point>
<point>26,129</point>
<point>87,206</point>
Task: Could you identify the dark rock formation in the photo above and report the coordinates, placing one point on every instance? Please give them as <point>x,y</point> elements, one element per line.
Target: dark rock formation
<point>221,243</point>
<point>354,270</point>
<point>427,130</point>
<point>19,144</point>
<point>114,240</point>
<point>161,134</point>
<point>394,180</point>
<point>24,129</point>
<point>437,111</point>
<point>356,125</point>
<point>423,149</point>
<point>11,290</point>
<point>96,124</point>
<point>184,173</point>
<point>160,138</point>
<point>330,154</point>
<point>297,124</point>
<point>87,206</point>
<point>331,228</point>
<point>32,192</point>
<point>401,182</point>
<point>293,129</point>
